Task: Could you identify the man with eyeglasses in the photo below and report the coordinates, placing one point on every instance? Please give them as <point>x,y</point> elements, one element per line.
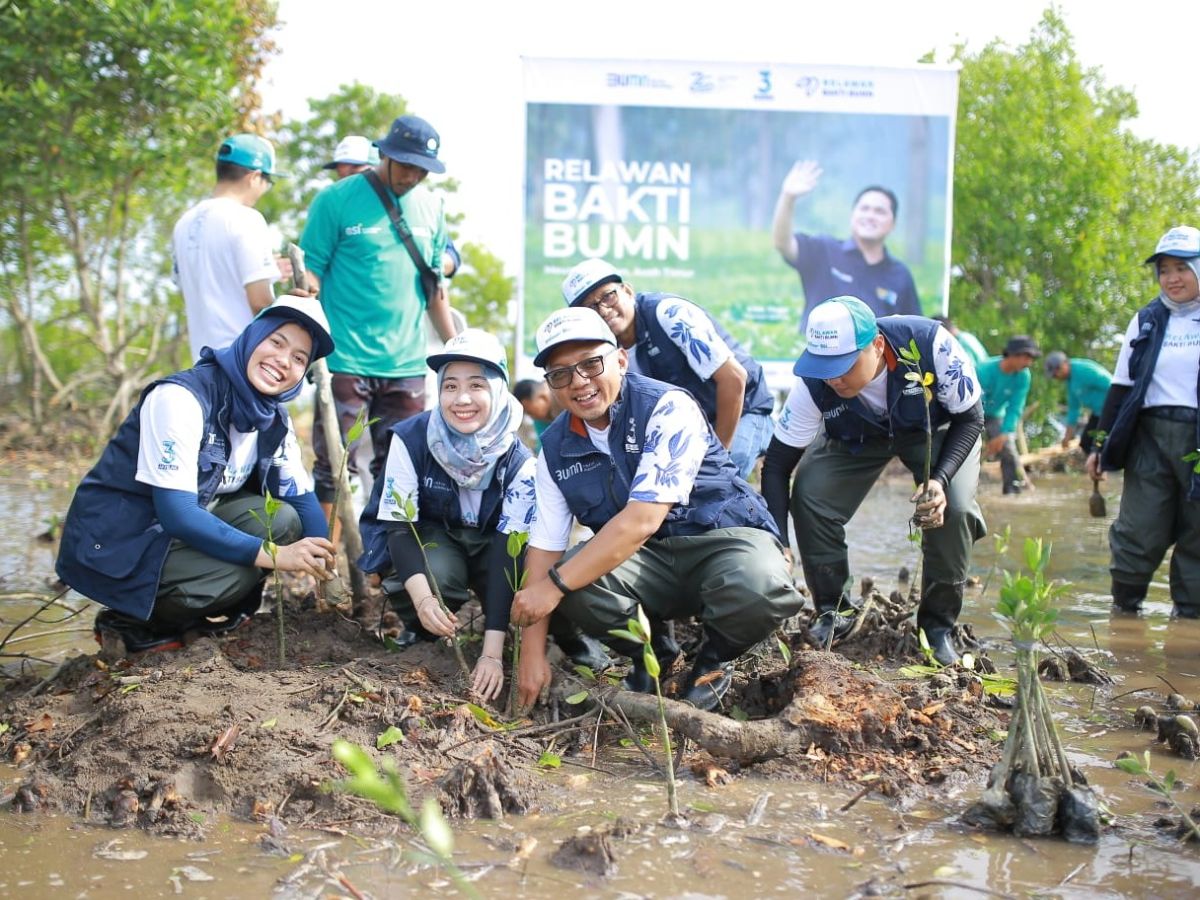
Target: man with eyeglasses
<point>677,530</point>
<point>675,341</point>
<point>224,257</point>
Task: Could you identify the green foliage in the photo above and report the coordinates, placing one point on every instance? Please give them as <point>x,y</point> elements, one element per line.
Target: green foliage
<point>110,116</point>
<point>549,760</point>
<point>1194,458</point>
<point>1141,768</point>
<point>1026,601</point>
<point>386,789</point>
<point>1056,203</point>
<point>392,735</point>
<point>484,294</point>
<point>271,506</point>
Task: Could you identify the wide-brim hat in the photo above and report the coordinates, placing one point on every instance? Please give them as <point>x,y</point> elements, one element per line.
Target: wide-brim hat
<point>414,142</point>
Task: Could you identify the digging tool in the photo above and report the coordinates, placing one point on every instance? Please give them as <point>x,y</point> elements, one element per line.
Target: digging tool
<point>334,590</point>
<point>1096,505</point>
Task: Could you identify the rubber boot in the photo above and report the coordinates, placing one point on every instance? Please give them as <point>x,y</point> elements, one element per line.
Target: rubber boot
<point>1127,598</point>
<point>581,649</point>
<point>712,672</point>
<point>835,613</point>
<point>665,649</point>
<point>941,602</point>
<point>1178,611</point>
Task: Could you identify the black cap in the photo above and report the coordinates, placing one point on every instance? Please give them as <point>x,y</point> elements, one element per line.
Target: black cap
<point>1020,344</point>
<point>414,142</point>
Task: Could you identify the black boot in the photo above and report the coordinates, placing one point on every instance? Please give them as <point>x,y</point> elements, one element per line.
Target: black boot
<point>638,679</point>
<point>1127,598</point>
<point>1179,611</point>
<point>136,635</point>
<point>941,602</point>
<point>941,644</point>
<point>830,588</point>
<point>584,650</point>
<point>712,672</point>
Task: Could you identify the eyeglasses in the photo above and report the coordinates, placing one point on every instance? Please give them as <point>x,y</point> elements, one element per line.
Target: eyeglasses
<point>607,300</point>
<point>588,368</point>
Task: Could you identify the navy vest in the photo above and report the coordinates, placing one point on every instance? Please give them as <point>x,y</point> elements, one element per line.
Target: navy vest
<point>660,358</point>
<point>1143,356</point>
<point>853,422</point>
<point>597,485</point>
<point>437,499</point>
<point>113,547</point>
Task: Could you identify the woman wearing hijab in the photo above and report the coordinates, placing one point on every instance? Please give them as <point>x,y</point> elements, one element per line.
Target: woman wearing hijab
<point>469,482</point>
<point>1150,421</point>
<point>169,530</point>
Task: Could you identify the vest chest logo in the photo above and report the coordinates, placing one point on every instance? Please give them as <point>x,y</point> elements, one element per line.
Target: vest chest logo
<point>835,412</point>
<point>576,468</point>
<point>912,389</point>
<point>631,441</point>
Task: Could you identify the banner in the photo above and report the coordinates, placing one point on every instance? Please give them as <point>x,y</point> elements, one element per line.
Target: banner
<point>738,187</point>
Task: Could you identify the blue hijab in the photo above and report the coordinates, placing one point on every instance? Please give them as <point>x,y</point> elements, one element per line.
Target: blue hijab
<point>252,410</point>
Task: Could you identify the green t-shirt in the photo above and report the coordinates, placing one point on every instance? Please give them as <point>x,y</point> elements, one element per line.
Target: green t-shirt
<point>1004,394</point>
<point>370,288</point>
<point>1087,386</point>
<point>974,348</point>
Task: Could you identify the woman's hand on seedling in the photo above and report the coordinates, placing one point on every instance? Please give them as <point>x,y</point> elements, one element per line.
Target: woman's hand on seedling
<point>488,677</point>
<point>434,618</point>
<point>313,555</point>
<point>931,505</point>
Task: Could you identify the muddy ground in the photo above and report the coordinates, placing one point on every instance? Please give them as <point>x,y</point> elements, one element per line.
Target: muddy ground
<point>170,742</point>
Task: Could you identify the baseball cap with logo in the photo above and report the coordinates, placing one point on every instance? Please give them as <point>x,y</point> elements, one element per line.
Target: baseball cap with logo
<point>837,331</point>
<point>472,345</point>
<point>1182,241</point>
<point>307,311</point>
<point>250,151</point>
<point>414,142</point>
<point>568,325</point>
<point>355,150</point>
<point>586,276</point>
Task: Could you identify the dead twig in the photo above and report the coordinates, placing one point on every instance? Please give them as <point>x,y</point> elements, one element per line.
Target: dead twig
<point>940,882</point>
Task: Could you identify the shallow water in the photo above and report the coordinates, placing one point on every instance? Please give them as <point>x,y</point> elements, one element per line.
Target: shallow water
<point>887,847</point>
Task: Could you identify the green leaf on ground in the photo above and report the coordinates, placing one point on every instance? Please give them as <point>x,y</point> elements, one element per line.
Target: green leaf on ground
<point>393,735</point>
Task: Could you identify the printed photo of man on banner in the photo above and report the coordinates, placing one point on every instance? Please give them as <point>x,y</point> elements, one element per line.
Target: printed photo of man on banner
<point>755,192</point>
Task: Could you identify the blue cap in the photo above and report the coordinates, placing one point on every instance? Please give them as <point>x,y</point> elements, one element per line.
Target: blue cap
<point>250,151</point>
<point>837,331</point>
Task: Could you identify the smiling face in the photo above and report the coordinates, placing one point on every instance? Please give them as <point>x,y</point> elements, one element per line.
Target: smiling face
<point>465,397</point>
<point>613,301</point>
<point>872,219</point>
<point>589,398</point>
<point>280,361</point>
<point>1177,279</point>
<point>864,370</point>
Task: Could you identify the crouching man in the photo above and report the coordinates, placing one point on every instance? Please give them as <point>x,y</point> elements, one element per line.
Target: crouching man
<point>677,530</point>
<point>852,410</point>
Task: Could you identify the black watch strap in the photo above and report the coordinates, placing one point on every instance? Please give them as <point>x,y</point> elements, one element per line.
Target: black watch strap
<point>553,574</point>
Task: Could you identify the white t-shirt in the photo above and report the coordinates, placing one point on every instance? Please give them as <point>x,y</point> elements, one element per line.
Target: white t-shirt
<point>675,445</point>
<point>956,387</point>
<point>692,332</point>
<point>173,432</point>
<point>400,477</point>
<point>220,246</point>
<point>1174,380</point>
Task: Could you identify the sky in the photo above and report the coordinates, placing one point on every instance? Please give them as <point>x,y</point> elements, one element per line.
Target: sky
<point>463,72</point>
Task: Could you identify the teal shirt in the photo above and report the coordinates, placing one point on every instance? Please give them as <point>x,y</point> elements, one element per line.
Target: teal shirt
<point>1004,395</point>
<point>370,288</point>
<point>972,346</point>
<point>1087,386</point>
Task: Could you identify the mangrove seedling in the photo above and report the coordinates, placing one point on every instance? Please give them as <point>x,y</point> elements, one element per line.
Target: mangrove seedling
<point>408,513</point>
<point>1141,768</point>
<point>638,631</point>
<point>1001,540</point>
<point>515,545</point>
<point>267,520</point>
<point>911,357</point>
<point>1033,790</point>
<point>361,424</point>
<point>387,790</point>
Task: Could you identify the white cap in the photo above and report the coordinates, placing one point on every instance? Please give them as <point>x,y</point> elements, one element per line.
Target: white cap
<point>472,345</point>
<point>585,276</point>
<point>568,325</point>
<point>309,311</point>
<point>1182,241</point>
<point>354,149</point>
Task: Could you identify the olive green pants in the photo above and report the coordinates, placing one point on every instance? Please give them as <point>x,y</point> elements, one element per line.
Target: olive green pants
<point>831,483</point>
<point>195,585</point>
<point>734,580</point>
<point>458,560</point>
<point>1156,513</point>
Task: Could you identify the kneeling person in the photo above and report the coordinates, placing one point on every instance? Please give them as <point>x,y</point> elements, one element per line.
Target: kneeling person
<point>169,530</point>
<point>677,530</point>
<point>851,411</point>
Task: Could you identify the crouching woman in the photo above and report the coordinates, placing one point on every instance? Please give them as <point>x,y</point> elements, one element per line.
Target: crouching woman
<point>169,530</point>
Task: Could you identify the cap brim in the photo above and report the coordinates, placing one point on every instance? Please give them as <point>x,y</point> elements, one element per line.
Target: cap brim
<point>415,159</point>
<point>543,355</point>
<point>437,360</point>
<point>810,365</point>
<point>1176,253</point>
<point>607,279</point>
<point>330,165</point>
<point>322,342</point>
